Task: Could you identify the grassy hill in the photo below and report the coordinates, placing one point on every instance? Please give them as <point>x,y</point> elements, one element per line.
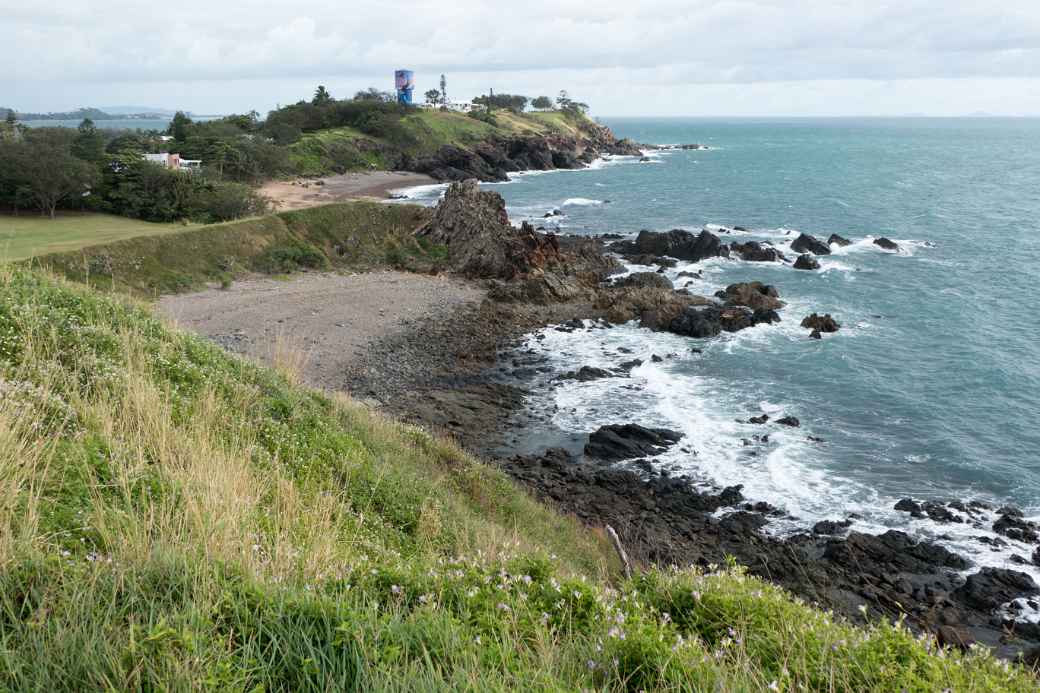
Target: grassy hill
<point>175,518</point>
<point>421,134</point>
<point>355,235</point>
<point>28,235</point>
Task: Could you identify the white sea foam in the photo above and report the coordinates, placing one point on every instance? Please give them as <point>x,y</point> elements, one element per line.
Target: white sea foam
<point>580,202</point>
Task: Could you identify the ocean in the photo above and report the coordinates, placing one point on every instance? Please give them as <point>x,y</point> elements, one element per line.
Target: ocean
<point>931,388</point>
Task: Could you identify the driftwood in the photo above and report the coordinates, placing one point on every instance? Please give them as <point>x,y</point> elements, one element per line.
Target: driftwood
<point>620,550</point>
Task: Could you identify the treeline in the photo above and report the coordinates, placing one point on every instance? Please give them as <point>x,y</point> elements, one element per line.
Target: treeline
<point>47,169</point>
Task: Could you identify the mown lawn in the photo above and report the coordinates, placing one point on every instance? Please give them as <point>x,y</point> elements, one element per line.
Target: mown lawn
<point>28,235</point>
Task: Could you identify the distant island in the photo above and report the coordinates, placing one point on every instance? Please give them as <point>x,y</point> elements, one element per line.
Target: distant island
<point>92,114</point>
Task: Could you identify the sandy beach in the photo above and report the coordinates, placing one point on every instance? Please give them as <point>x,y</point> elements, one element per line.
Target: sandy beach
<point>306,192</point>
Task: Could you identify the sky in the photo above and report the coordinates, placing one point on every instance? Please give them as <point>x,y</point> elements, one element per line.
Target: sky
<point>623,57</point>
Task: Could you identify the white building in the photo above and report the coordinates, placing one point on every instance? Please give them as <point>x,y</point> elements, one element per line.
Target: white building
<point>457,106</point>
<point>174,161</point>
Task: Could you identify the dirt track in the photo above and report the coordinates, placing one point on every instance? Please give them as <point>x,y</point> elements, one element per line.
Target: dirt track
<point>303,193</point>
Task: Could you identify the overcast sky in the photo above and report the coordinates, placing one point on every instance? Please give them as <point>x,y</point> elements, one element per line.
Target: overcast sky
<point>624,57</point>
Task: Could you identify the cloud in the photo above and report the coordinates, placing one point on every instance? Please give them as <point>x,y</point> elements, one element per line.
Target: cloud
<point>669,43</point>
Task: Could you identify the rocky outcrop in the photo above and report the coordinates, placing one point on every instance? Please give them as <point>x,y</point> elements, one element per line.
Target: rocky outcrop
<point>629,441</point>
<point>676,243</point>
<point>713,320</point>
<point>886,243</point>
<point>481,242</point>
<point>644,280</point>
<point>753,251</point>
<point>806,262</point>
<point>806,243</point>
<point>821,323</point>
<point>754,295</point>
<point>494,159</point>
<point>839,241</point>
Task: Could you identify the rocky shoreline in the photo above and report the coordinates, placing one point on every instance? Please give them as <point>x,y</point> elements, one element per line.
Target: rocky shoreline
<point>465,377</point>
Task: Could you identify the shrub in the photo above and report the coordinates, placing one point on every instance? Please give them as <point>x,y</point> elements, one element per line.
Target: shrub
<point>289,256</point>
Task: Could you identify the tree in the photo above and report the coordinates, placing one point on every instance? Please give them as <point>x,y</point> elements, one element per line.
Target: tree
<point>542,103</point>
<point>373,94</point>
<point>89,144</point>
<point>444,91</point>
<point>321,96</point>
<point>433,97</point>
<point>563,101</point>
<point>45,169</point>
<point>512,102</point>
<point>179,126</point>
<point>11,118</point>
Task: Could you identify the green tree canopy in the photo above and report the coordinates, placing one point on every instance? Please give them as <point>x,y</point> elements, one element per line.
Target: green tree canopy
<point>542,103</point>
<point>42,169</point>
<point>433,97</point>
<point>89,143</point>
<point>179,126</point>
<point>321,95</point>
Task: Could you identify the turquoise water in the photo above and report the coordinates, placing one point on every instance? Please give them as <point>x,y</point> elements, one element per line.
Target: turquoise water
<point>932,386</point>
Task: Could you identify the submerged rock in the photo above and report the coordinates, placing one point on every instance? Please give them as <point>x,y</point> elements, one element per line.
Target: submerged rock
<point>837,240</point>
<point>628,441</point>
<point>806,243</point>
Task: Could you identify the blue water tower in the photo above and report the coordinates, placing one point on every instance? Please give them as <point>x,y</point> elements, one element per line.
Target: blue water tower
<point>404,80</point>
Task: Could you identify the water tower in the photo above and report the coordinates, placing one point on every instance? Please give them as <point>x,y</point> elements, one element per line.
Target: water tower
<point>404,80</point>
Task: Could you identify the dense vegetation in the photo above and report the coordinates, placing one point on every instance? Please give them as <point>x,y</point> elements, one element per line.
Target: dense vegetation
<point>86,169</point>
<point>48,169</point>
<point>174,518</point>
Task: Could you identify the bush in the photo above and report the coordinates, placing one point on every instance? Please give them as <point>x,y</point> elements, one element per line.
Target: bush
<point>289,256</point>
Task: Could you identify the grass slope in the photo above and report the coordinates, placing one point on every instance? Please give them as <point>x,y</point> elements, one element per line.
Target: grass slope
<point>22,237</point>
<point>354,235</point>
<point>174,518</point>
<point>343,149</point>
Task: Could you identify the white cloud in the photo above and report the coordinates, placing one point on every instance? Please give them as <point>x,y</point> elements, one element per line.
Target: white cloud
<point>665,51</point>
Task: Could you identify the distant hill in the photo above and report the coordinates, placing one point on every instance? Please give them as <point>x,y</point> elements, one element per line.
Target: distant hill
<point>106,113</point>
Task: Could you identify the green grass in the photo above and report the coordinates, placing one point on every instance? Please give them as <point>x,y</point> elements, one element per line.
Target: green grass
<point>28,235</point>
<point>354,235</point>
<point>337,150</point>
<point>174,518</point>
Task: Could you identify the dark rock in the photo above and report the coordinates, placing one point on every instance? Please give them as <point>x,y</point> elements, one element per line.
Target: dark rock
<point>791,421</point>
<point>1014,527</point>
<point>892,552</point>
<point>753,251</point>
<point>761,419</point>
<point>586,374</point>
<point>645,280</point>
<point>481,242</point>
<point>831,527</point>
<point>991,587</point>
<point>627,441</point>
<point>711,321</point>
<point>908,505</point>
<point>685,274</point>
<point>823,323</point>
<point>886,243</point>
<point>815,334</point>
<point>676,243</point>
<point>806,262</point>
<point>655,358</point>
<point>627,366</point>
<point>806,243</point>
<point>837,240</point>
